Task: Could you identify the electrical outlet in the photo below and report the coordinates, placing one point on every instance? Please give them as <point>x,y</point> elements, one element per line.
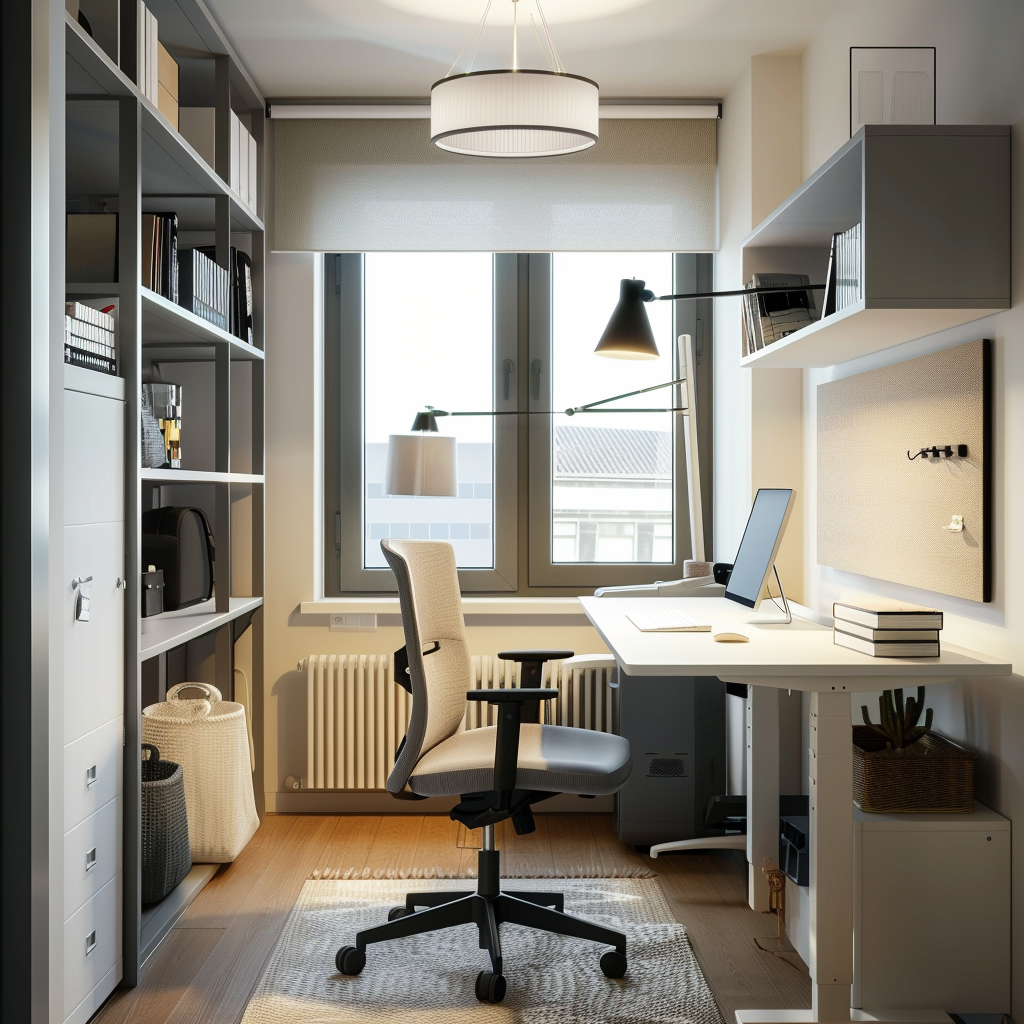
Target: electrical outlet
<point>354,623</point>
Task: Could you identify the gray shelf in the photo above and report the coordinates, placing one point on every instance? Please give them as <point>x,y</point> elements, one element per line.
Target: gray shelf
<point>933,203</point>
<point>197,476</point>
<point>172,629</point>
<point>160,918</point>
<point>183,336</point>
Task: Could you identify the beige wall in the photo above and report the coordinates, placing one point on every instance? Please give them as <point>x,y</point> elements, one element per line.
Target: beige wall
<point>758,413</point>
<point>980,79</point>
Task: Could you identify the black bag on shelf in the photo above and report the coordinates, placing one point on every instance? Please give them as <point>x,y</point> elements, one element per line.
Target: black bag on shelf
<point>179,541</point>
<point>166,852</point>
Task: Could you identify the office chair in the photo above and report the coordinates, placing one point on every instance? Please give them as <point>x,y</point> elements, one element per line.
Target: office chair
<point>497,771</point>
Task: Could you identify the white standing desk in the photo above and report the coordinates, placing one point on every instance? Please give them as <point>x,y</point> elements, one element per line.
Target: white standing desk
<point>800,656</point>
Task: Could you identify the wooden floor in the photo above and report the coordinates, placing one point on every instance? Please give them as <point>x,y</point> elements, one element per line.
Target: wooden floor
<point>206,968</point>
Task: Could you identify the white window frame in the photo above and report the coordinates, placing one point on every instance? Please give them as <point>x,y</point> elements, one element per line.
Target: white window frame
<point>522,456</point>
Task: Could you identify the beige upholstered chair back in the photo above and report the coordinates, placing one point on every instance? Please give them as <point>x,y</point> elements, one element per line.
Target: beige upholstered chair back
<point>428,591</point>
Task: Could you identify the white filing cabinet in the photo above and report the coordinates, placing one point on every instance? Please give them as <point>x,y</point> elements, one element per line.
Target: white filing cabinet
<point>93,687</point>
<point>931,911</point>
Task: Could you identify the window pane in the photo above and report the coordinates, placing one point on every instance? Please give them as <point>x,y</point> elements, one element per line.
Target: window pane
<point>612,473</point>
<point>429,341</point>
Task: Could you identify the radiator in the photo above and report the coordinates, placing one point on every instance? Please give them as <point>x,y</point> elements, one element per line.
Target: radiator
<point>356,715</point>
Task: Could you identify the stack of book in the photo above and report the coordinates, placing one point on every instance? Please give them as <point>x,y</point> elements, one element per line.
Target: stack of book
<point>160,254</point>
<point>203,287</point>
<point>240,291</point>
<point>887,629</point>
<point>771,316</point>
<point>847,264</point>
<point>89,338</point>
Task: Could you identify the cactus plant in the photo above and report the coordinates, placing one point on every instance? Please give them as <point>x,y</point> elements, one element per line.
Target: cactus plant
<point>898,720</point>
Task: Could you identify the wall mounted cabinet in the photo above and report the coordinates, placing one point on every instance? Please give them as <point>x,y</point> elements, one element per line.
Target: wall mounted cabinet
<point>933,203</point>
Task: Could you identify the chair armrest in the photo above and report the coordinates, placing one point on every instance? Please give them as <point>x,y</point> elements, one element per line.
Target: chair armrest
<point>534,655</point>
<point>512,695</point>
<point>506,742</point>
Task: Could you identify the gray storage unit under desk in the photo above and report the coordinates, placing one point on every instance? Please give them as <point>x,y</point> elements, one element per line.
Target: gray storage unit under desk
<point>931,911</point>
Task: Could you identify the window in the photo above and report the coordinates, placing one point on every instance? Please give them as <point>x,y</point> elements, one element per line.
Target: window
<point>546,500</point>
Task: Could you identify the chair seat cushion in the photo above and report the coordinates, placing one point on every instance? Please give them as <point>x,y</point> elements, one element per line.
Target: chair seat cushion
<point>552,758</point>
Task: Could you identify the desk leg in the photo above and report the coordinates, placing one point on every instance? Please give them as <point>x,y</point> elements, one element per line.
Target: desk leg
<point>831,904</point>
<point>762,738</point>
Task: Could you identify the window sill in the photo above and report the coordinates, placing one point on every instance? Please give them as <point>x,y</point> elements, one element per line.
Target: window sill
<point>470,606</point>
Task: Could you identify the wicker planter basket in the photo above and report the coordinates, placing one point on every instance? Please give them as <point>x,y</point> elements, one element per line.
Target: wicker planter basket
<point>166,854</point>
<point>934,776</point>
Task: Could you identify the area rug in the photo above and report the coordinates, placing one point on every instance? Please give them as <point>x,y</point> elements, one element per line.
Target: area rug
<point>429,979</point>
<point>512,870</point>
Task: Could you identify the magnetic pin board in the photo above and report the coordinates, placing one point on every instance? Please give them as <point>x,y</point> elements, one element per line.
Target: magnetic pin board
<point>881,514</point>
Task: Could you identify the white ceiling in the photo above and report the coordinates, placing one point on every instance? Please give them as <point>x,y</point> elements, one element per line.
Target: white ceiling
<point>398,48</point>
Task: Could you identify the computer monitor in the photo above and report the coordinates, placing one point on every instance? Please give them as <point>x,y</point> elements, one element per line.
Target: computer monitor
<point>755,559</point>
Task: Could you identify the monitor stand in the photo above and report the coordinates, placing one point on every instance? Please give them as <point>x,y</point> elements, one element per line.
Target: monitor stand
<point>787,617</point>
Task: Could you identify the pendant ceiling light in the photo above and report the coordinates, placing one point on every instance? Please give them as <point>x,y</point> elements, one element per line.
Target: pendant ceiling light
<point>514,112</point>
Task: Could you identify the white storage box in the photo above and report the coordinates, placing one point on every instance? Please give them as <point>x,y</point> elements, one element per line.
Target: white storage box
<point>931,911</point>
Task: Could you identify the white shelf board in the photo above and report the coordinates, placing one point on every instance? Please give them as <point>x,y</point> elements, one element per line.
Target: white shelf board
<point>196,476</point>
<point>92,382</point>
<point>166,323</point>
<point>858,331</point>
<point>159,918</point>
<point>164,632</point>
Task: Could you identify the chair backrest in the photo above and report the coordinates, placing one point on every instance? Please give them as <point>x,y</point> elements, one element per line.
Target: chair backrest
<point>435,640</point>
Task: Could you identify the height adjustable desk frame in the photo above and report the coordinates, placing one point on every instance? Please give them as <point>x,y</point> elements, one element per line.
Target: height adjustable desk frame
<point>800,656</point>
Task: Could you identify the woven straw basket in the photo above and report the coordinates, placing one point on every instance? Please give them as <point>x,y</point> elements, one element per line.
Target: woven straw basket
<point>207,737</point>
<point>934,776</point>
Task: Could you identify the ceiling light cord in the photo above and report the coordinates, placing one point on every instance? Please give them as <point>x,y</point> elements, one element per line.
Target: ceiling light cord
<point>559,66</point>
<point>540,44</point>
<point>515,35</point>
<point>476,34</point>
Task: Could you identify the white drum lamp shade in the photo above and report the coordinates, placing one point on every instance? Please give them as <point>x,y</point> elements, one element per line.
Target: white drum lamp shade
<point>421,463</point>
<point>514,113</point>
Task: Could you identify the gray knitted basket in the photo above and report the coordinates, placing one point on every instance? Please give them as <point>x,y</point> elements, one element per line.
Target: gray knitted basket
<point>166,852</point>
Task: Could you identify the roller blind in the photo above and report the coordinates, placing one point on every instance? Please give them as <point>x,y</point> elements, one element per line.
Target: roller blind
<point>367,185</point>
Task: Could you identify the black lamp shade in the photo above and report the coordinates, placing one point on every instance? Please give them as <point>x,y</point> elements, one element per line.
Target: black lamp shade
<point>628,334</point>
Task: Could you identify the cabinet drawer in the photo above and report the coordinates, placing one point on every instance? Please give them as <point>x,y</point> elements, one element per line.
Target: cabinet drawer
<point>92,943</point>
<point>93,459</point>
<point>93,772</point>
<point>93,649</point>
<point>92,855</point>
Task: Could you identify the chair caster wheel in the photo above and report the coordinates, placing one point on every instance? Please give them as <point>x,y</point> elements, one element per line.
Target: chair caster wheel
<point>490,988</point>
<point>396,912</point>
<point>613,964</point>
<point>349,960</point>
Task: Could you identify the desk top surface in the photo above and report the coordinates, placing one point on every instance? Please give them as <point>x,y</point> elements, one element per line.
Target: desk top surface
<point>799,656</point>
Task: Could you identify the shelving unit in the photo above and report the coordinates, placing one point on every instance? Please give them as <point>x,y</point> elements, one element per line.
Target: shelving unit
<point>933,203</point>
<point>124,156</point>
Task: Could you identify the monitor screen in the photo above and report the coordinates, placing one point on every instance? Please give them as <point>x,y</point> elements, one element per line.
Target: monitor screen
<point>760,545</point>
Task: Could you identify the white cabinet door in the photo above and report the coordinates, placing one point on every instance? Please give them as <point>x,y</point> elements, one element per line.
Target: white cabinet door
<point>93,459</point>
<point>92,855</point>
<point>93,649</point>
<point>93,772</point>
<point>92,944</point>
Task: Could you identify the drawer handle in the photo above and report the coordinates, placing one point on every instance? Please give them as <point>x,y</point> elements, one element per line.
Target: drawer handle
<point>90,860</point>
<point>91,777</point>
<point>90,943</point>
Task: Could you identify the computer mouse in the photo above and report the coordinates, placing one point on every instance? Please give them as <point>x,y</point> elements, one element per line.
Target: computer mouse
<point>731,638</point>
